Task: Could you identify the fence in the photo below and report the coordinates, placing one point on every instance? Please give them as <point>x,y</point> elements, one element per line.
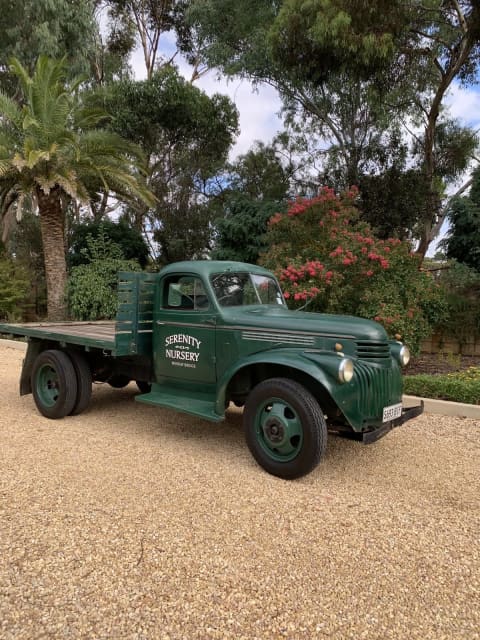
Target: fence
<point>441,343</point>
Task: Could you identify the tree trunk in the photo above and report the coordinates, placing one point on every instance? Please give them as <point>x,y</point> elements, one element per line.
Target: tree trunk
<point>52,225</point>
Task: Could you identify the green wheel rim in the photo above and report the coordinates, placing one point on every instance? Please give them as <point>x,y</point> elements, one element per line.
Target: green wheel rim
<point>278,430</point>
<point>47,385</point>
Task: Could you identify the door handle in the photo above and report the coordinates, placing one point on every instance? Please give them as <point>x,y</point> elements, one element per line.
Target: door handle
<point>160,322</point>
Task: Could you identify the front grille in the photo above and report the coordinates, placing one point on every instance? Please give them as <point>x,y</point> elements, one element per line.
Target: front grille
<point>368,350</point>
<point>378,387</point>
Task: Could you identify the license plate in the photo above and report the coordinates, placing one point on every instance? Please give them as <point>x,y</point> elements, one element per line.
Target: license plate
<point>392,412</point>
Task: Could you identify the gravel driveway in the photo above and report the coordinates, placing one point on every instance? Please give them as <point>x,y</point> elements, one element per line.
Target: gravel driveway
<point>134,522</point>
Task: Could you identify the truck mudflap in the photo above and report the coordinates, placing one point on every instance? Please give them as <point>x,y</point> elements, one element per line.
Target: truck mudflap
<point>407,414</point>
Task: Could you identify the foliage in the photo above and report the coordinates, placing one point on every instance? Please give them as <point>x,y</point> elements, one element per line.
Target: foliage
<point>25,243</point>
<point>13,289</point>
<point>130,241</point>
<point>53,151</point>
<point>147,23</point>
<point>241,233</point>
<point>92,287</point>
<point>54,28</point>
<point>336,35</point>
<point>393,201</point>
<point>186,136</point>
<point>463,239</point>
<point>463,386</point>
<point>258,187</point>
<point>324,256</point>
<point>260,174</point>
<point>304,40</point>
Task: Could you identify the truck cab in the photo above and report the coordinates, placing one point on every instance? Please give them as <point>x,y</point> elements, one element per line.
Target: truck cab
<point>222,333</point>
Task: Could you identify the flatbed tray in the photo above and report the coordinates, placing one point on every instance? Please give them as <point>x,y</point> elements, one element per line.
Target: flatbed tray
<point>100,334</point>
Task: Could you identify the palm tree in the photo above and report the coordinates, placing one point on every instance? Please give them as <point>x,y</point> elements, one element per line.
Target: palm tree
<point>52,151</point>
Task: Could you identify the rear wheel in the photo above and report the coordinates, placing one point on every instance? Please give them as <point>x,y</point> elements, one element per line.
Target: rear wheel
<point>54,384</point>
<point>285,428</point>
<point>84,382</point>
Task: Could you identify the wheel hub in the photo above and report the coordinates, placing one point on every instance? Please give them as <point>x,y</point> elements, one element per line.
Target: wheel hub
<point>274,430</point>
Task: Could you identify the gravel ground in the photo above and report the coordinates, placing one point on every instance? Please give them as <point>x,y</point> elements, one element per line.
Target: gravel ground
<point>135,522</point>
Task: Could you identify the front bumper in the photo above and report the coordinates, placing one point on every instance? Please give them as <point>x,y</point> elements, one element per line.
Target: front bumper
<point>407,414</point>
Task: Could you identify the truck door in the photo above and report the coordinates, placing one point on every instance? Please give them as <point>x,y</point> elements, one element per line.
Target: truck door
<point>184,331</point>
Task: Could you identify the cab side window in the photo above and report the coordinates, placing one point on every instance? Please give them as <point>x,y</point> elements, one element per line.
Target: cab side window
<point>184,293</point>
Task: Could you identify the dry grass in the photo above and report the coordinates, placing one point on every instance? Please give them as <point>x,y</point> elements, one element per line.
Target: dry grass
<point>135,522</point>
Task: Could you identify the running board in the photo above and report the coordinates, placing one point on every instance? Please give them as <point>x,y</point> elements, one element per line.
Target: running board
<point>197,404</point>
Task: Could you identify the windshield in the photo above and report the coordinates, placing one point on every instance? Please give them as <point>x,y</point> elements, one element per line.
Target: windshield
<point>235,289</point>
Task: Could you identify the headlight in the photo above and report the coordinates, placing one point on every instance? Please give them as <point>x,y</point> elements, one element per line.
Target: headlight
<point>404,356</point>
<point>345,370</point>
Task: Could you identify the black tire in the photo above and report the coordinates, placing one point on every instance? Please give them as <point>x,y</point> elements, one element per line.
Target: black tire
<point>84,382</point>
<point>284,428</point>
<point>118,381</point>
<point>54,384</point>
<point>143,386</point>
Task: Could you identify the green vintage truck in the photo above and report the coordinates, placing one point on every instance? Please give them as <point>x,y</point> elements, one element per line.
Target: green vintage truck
<point>202,334</point>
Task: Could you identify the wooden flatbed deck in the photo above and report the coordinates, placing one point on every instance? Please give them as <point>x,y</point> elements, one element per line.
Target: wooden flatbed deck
<point>89,334</point>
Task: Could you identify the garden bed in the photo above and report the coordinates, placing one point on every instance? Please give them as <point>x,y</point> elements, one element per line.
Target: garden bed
<point>435,363</point>
<point>453,378</point>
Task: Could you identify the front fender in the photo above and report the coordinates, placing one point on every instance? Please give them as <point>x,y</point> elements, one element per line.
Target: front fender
<point>321,366</point>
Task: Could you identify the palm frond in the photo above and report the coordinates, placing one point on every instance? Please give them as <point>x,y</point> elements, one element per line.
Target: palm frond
<point>19,162</point>
<point>87,117</point>
<point>10,111</point>
<point>22,74</point>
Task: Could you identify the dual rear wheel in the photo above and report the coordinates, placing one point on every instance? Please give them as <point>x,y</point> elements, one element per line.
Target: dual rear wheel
<point>61,383</point>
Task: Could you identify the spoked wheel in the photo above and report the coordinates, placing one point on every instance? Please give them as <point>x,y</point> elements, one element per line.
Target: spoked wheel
<point>285,428</point>
<point>54,384</point>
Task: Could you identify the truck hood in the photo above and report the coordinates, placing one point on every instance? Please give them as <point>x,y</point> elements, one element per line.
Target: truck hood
<point>323,325</point>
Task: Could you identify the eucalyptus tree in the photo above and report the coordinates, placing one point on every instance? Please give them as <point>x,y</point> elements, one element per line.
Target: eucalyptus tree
<point>186,136</point>
<point>53,151</point>
<point>158,27</point>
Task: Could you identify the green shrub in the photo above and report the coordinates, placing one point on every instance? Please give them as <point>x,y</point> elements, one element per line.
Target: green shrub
<point>463,386</point>
<point>92,287</point>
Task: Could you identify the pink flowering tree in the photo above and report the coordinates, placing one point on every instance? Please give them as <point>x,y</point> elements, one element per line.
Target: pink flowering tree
<point>328,260</point>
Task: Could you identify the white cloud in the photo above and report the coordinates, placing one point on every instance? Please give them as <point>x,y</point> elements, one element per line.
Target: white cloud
<point>464,103</point>
<point>258,109</point>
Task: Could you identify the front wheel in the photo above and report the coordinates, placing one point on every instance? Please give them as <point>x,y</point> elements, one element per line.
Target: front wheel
<point>285,428</point>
